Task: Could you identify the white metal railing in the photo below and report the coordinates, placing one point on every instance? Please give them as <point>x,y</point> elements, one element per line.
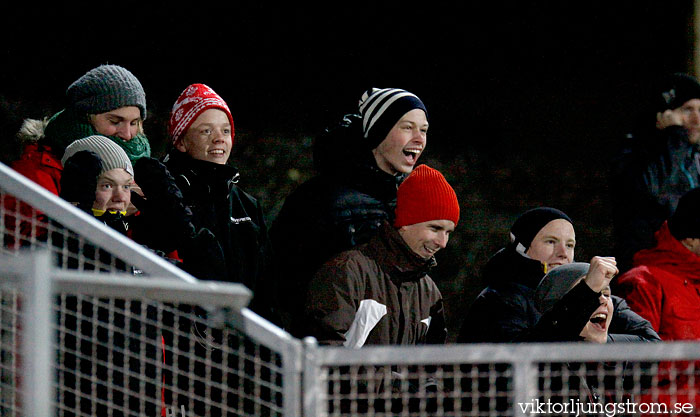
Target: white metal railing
<point>159,341</point>
<point>170,343</point>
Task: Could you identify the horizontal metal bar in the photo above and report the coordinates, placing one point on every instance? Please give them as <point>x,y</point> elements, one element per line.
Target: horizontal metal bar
<point>507,352</point>
<point>206,293</point>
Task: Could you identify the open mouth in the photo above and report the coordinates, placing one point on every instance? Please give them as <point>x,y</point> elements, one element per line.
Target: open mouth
<point>599,320</point>
<point>217,152</point>
<point>412,154</point>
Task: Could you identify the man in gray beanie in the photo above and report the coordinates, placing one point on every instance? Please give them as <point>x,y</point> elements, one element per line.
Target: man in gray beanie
<point>360,163</point>
<point>109,101</point>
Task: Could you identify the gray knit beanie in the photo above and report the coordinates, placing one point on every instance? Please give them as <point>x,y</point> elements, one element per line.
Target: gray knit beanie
<point>557,283</point>
<point>106,88</point>
<point>111,154</point>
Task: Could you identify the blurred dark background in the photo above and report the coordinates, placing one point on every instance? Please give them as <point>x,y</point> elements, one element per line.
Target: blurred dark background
<point>527,100</point>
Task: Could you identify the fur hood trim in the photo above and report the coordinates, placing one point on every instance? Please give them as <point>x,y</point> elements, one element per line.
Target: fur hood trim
<point>32,131</point>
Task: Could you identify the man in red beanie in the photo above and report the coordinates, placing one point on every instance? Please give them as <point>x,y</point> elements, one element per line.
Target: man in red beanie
<point>379,293</point>
<point>201,131</point>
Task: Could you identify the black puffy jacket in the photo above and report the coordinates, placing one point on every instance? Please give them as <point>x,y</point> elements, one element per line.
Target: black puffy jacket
<point>341,207</point>
<point>505,311</point>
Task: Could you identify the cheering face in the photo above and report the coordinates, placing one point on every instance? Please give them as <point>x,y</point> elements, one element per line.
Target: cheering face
<point>209,138</point>
<point>400,150</point>
<point>596,329</point>
<point>124,122</point>
<point>113,190</point>
<point>426,238</point>
<point>554,244</point>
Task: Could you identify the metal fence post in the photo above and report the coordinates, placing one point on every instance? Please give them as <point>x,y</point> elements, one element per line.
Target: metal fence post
<point>312,391</point>
<point>37,318</point>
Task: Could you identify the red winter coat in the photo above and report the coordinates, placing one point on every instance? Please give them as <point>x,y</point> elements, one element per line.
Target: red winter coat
<point>664,288</point>
<point>40,165</point>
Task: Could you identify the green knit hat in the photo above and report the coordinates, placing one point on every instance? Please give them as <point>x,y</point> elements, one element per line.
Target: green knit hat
<point>106,88</point>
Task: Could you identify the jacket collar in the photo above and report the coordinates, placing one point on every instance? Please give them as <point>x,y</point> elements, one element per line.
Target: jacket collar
<point>670,254</point>
<point>396,257</point>
<point>195,170</point>
<point>509,265</point>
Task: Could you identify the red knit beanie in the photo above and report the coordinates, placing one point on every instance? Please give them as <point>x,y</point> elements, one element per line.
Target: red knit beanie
<point>192,102</point>
<point>423,196</point>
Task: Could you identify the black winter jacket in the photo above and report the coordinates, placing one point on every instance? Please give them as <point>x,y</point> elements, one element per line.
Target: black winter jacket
<point>234,216</point>
<point>341,207</point>
<point>505,311</point>
<point>648,177</point>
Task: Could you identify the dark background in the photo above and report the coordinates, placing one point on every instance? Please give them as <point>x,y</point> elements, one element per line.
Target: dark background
<point>527,100</point>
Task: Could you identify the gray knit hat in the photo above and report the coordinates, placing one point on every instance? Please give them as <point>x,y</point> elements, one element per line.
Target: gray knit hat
<point>557,283</point>
<point>111,154</point>
<point>106,88</point>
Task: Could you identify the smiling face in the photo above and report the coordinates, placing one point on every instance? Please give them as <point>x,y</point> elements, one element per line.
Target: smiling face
<point>596,329</point>
<point>400,150</point>
<point>113,190</point>
<point>426,238</point>
<point>124,122</point>
<point>208,138</point>
<point>554,244</point>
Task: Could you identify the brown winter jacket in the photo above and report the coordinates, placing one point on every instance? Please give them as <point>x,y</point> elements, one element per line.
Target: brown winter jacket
<point>378,293</point>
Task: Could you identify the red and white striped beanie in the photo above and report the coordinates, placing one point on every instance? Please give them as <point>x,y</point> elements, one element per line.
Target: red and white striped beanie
<point>192,102</point>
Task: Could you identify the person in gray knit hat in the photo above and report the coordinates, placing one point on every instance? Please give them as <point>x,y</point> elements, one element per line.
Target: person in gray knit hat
<point>107,100</point>
<point>98,176</point>
<point>111,155</point>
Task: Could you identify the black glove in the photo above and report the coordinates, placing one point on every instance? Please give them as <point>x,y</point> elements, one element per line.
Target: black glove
<point>79,179</point>
<point>166,222</point>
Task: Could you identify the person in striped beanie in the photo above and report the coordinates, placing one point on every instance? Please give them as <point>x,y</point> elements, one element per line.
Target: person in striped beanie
<point>395,125</point>
<point>360,162</point>
<point>380,293</point>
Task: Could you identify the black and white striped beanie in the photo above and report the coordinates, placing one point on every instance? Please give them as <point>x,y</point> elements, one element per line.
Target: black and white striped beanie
<point>381,108</point>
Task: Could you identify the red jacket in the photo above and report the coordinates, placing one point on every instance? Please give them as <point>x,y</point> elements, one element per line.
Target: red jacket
<point>40,165</point>
<point>664,287</point>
